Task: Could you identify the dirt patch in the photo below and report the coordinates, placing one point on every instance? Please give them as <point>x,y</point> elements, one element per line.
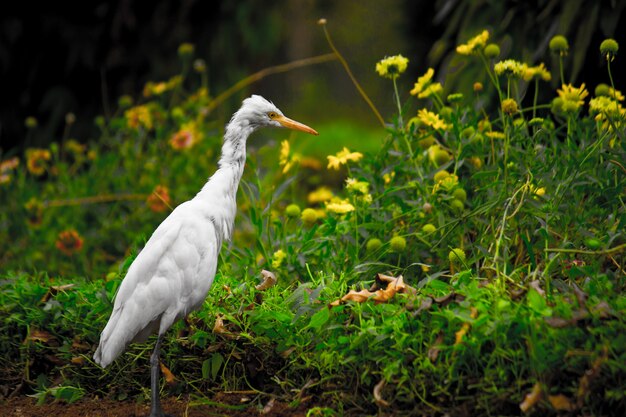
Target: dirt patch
<point>223,405</point>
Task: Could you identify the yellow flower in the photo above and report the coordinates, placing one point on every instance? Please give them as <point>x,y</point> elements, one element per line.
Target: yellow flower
<point>509,106</point>
<point>510,68</point>
<point>339,206</point>
<point>342,157</point>
<point>616,94</point>
<point>474,45</point>
<point>36,160</point>
<point>277,258</point>
<point>424,87</point>
<point>495,135</point>
<point>431,119</point>
<point>139,116</point>
<point>604,105</point>
<point>388,177</point>
<point>286,160</point>
<point>538,71</point>
<point>320,195</point>
<point>392,66</point>
<point>357,186</point>
<point>572,97</point>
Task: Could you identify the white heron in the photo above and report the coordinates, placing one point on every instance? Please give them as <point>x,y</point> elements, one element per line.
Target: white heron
<point>172,275</point>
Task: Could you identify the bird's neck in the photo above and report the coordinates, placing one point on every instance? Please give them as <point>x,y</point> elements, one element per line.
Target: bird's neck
<point>219,194</point>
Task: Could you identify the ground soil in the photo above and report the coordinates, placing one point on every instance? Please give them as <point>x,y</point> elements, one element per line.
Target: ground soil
<point>176,407</point>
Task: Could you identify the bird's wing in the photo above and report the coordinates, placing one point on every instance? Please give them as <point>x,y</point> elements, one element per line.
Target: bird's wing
<point>169,278</point>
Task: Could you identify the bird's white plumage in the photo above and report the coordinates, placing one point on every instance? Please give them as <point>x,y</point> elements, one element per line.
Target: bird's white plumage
<point>173,273</point>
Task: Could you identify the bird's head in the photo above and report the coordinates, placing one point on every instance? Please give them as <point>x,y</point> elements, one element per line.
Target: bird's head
<point>259,112</point>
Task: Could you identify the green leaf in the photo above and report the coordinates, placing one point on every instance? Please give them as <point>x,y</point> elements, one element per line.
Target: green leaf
<point>319,319</point>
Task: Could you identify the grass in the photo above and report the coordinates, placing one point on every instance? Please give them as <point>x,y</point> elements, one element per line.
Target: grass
<point>507,230</point>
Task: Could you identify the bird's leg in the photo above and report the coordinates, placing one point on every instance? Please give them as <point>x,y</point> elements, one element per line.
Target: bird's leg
<point>155,407</point>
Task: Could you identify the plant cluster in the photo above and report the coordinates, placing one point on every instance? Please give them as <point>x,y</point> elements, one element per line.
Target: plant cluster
<point>474,262</point>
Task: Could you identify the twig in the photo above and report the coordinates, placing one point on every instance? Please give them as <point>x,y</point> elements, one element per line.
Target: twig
<point>104,198</point>
<point>609,251</point>
<point>264,73</point>
<point>322,22</point>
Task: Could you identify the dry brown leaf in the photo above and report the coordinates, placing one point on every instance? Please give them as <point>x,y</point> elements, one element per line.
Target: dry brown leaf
<point>54,290</point>
<point>268,407</point>
<point>461,333</point>
<point>269,280</point>
<point>466,326</point>
<point>169,376</point>
<point>377,394</point>
<point>394,285</point>
<point>37,335</point>
<point>536,285</point>
<point>433,351</point>
<point>561,403</point>
<point>78,345</point>
<point>358,296</point>
<point>218,327</point>
<point>78,360</point>
<point>531,398</point>
<point>590,375</point>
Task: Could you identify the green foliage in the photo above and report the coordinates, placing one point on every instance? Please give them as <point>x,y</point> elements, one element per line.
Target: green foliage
<point>507,229</point>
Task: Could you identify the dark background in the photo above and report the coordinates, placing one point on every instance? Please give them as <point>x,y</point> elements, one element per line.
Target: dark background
<point>80,57</point>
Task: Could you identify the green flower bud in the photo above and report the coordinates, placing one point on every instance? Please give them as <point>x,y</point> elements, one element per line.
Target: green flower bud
<point>608,48</point>
<point>602,90</point>
<point>559,44</point>
<point>492,50</point>
<point>457,256</point>
<point>292,210</point>
<point>373,245</point>
<point>309,216</point>
<point>457,205</point>
<point>397,244</point>
<point>468,132</point>
<point>429,228</point>
<point>460,195</point>
<point>30,122</point>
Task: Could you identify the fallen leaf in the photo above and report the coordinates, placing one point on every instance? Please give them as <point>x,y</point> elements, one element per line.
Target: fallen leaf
<point>78,345</point>
<point>424,305</point>
<point>433,351</point>
<point>559,322</point>
<point>269,280</point>
<point>358,296</point>
<point>268,407</point>
<point>169,376</point>
<point>531,398</point>
<point>377,394</point>
<point>561,403</point>
<point>78,360</point>
<point>42,336</point>
<point>219,327</point>
<point>536,286</point>
<point>590,375</point>
<point>580,294</point>
<point>54,290</point>
<point>466,326</point>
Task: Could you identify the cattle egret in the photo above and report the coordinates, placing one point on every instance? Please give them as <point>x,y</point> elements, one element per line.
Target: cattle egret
<point>172,275</point>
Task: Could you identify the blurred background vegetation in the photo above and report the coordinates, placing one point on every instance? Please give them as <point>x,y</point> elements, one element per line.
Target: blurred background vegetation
<point>59,58</point>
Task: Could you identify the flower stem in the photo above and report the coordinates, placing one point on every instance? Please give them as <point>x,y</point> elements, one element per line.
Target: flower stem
<point>535,97</point>
<point>352,77</point>
<point>395,91</point>
<point>608,67</point>
<point>561,69</point>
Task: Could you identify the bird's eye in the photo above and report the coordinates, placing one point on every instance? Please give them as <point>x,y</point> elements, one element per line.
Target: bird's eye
<point>272,115</point>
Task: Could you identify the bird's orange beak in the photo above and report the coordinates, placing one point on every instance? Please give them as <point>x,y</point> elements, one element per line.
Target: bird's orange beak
<point>292,124</point>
